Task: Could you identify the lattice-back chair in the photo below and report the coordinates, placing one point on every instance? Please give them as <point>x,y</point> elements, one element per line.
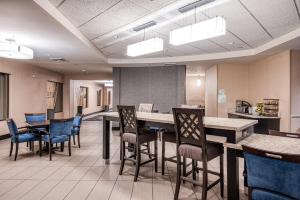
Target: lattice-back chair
<point>76,128</point>
<point>146,107</point>
<point>132,134</point>
<point>272,175</point>
<point>19,135</point>
<point>192,144</point>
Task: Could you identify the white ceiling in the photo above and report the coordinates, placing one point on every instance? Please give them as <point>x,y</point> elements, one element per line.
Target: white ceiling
<point>94,34</point>
<point>250,23</point>
<point>33,27</point>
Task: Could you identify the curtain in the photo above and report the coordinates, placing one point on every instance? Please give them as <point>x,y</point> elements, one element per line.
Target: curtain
<point>4,96</point>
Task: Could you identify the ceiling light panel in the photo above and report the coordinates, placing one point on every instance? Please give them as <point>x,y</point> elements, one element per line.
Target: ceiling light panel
<point>274,15</point>
<point>200,31</point>
<point>236,17</point>
<point>145,47</point>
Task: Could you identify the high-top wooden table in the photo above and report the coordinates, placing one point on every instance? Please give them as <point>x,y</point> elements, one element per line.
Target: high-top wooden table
<point>234,130</point>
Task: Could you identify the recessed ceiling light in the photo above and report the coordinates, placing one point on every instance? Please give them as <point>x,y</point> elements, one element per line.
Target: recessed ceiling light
<point>83,70</point>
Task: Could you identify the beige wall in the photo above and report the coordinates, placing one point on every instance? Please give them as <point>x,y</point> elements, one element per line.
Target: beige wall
<point>265,78</point>
<point>68,102</point>
<point>233,79</point>
<point>93,87</point>
<point>211,92</point>
<point>270,78</point>
<point>27,90</point>
<point>195,95</point>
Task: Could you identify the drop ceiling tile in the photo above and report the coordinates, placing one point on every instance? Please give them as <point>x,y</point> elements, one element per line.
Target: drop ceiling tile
<point>208,46</point>
<point>278,17</point>
<point>153,5</point>
<point>80,11</point>
<point>123,13</point>
<point>230,42</point>
<point>240,22</point>
<point>56,2</point>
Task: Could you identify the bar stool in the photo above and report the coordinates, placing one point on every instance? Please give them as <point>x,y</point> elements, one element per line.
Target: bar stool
<point>131,134</point>
<point>192,144</point>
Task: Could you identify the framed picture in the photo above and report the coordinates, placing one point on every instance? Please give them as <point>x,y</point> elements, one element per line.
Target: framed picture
<point>84,96</point>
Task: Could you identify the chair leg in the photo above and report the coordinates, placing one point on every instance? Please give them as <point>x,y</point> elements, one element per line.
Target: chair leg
<point>69,146</point>
<point>78,138</point>
<point>74,140</point>
<point>155,154</point>
<point>40,145</point>
<point>194,169</point>
<point>11,148</point>
<point>163,145</point>
<point>138,161</point>
<point>62,146</point>
<point>178,179</point>
<point>149,150</point>
<point>222,175</point>
<point>50,151</point>
<point>32,146</point>
<point>122,157</point>
<point>17,148</point>
<point>204,182</point>
<point>184,168</point>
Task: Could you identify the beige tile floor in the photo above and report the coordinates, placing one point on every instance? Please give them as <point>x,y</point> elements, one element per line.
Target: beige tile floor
<point>84,175</point>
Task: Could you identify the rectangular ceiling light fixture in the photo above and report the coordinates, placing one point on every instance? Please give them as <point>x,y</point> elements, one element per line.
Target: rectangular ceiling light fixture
<point>200,31</point>
<point>145,47</point>
<point>144,26</point>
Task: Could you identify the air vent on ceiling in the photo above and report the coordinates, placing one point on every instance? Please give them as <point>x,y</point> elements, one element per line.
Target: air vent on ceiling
<point>144,26</point>
<point>58,59</point>
<point>194,5</point>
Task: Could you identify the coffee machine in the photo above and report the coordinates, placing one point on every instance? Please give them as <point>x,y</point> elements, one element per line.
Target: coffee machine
<point>243,107</point>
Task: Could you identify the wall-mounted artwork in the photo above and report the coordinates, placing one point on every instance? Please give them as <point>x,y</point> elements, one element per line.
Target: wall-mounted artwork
<point>83,97</point>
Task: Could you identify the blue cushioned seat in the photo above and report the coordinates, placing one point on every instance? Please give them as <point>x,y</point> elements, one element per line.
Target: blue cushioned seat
<point>266,195</point>
<point>38,117</point>
<point>59,132</point>
<point>19,136</point>
<point>272,178</point>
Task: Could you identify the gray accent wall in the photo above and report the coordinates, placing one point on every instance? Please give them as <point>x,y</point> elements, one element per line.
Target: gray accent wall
<point>163,86</point>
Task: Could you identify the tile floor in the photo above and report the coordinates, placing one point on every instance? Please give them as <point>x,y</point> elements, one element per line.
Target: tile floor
<point>84,175</point>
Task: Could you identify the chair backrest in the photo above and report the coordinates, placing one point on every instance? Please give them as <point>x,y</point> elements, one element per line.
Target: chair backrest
<point>35,117</point>
<point>128,119</point>
<point>189,127</point>
<point>273,172</point>
<point>146,107</point>
<point>77,120</point>
<point>61,126</point>
<point>188,106</point>
<point>13,130</point>
<point>284,134</point>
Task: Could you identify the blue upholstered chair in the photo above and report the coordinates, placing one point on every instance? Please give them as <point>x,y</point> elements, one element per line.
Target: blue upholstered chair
<point>76,128</point>
<point>59,132</point>
<point>272,176</point>
<point>19,136</point>
<point>35,117</point>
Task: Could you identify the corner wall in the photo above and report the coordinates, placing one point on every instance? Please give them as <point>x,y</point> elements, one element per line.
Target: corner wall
<point>27,90</point>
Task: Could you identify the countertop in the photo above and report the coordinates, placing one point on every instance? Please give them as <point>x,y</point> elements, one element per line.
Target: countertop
<point>253,116</point>
<point>269,143</point>
<point>209,122</point>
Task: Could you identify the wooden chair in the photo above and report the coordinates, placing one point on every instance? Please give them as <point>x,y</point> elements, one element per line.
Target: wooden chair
<point>171,138</point>
<point>272,175</point>
<point>131,134</point>
<point>191,143</point>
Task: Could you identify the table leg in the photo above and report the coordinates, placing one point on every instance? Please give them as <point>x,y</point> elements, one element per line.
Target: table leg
<point>232,171</point>
<point>106,140</point>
